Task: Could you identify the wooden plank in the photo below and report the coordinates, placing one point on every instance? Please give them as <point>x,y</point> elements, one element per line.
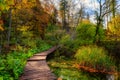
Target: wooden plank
<point>41,54</point>
<point>37,68</point>
<point>37,58</point>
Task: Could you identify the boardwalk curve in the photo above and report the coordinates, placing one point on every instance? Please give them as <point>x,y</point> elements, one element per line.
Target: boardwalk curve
<point>37,68</point>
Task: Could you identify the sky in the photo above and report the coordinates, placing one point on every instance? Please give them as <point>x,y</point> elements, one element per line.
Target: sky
<point>90,7</point>
<point>92,4</point>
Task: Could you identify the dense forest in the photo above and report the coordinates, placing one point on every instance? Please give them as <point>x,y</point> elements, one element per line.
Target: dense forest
<point>86,31</point>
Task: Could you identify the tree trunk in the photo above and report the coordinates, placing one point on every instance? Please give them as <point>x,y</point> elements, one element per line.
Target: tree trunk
<point>1,42</point>
<point>9,28</point>
<point>96,38</point>
<point>99,21</point>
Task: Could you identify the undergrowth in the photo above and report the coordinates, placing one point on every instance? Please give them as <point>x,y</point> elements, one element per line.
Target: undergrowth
<point>95,57</point>
<point>12,64</point>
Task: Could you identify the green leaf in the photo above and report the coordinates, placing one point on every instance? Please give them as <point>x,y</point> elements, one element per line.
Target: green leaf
<point>1,68</point>
<point>1,78</point>
<point>2,6</point>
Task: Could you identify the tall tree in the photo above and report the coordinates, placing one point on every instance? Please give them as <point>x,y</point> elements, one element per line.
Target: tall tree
<point>8,5</point>
<point>100,14</point>
<point>113,5</point>
<point>63,10</point>
<point>99,20</point>
<point>50,8</point>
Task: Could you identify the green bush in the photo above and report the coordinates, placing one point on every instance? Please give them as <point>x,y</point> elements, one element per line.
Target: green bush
<point>53,34</point>
<point>42,45</point>
<point>85,34</point>
<point>96,57</point>
<point>27,39</point>
<point>65,40</point>
<point>67,45</point>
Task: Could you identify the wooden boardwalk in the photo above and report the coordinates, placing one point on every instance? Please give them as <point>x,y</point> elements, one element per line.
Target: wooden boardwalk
<point>37,68</point>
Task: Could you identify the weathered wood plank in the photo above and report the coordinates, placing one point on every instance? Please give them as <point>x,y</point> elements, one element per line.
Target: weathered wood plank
<point>37,58</point>
<point>37,68</point>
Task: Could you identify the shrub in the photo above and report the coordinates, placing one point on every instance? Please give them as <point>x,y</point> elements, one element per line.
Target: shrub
<point>85,33</point>
<point>67,45</point>
<point>53,34</point>
<point>96,57</point>
<point>65,40</point>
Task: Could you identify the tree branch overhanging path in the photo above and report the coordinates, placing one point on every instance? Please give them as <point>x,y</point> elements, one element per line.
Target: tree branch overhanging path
<point>37,68</point>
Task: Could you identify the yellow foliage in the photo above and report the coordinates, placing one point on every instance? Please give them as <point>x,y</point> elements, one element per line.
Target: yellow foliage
<point>23,28</point>
<point>18,6</point>
<point>1,28</point>
<point>24,1</point>
<point>26,4</point>
<point>10,2</point>
<point>77,66</point>
<point>86,21</point>
<point>31,0</point>
<point>114,25</point>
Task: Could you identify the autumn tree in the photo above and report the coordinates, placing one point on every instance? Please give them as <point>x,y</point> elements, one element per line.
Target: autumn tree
<point>114,27</point>
<point>21,21</point>
<point>100,14</point>
<point>50,8</point>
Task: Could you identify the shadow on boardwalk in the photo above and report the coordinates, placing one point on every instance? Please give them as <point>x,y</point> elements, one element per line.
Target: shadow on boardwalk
<point>37,68</point>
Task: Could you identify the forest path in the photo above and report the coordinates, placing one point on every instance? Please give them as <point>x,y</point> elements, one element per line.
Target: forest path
<point>37,68</point>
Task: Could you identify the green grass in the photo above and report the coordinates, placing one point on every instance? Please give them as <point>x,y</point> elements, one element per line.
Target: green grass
<point>94,56</point>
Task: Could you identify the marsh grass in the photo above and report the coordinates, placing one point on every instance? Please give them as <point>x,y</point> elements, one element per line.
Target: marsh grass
<point>96,57</point>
